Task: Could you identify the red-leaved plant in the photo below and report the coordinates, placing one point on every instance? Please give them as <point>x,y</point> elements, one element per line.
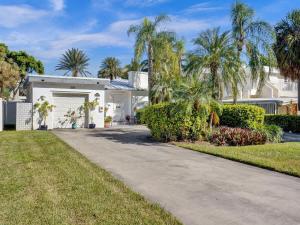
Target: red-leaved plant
<point>237,137</point>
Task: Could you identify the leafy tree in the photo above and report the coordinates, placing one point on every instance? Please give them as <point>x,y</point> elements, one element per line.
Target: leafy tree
<point>146,33</point>
<point>180,50</point>
<point>25,62</point>
<point>9,76</point>
<point>215,59</point>
<point>110,68</point>
<point>252,39</point>
<point>74,61</point>
<point>287,47</point>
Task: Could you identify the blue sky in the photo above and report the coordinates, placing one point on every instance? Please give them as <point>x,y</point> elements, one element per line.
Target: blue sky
<point>47,28</point>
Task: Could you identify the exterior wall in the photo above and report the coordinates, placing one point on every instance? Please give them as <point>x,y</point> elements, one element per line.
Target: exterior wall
<point>1,115</point>
<point>276,87</point>
<point>118,104</point>
<point>23,116</point>
<point>48,90</point>
<point>138,80</point>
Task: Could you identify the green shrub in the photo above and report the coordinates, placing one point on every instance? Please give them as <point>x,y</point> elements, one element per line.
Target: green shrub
<point>174,122</point>
<point>243,116</point>
<point>140,116</point>
<point>286,122</point>
<point>273,133</point>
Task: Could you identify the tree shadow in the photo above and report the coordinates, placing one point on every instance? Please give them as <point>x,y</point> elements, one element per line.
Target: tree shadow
<point>126,136</point>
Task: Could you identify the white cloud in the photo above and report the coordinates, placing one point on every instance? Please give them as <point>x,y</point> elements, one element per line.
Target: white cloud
<point>144,3</point>
<point>57,5</point>
<point>14,15</point>
<point>202,7</point>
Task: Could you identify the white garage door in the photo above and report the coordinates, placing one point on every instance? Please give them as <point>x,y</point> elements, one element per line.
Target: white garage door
<point>65,104</point>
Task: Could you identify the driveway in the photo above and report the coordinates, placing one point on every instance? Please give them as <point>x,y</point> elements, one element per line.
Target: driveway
<point>198,189</point>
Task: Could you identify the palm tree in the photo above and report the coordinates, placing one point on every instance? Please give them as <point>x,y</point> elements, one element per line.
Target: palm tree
<point>74,61</point>
<point>146,33</point>
<point>253,38</point>
<point>110,68</point>
<point>191,90</point>
<point>217,62</point>
<point>179,49</point>
<point>287,47</point>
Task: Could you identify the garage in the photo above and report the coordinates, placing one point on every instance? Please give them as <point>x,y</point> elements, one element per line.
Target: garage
<point>67,107</point>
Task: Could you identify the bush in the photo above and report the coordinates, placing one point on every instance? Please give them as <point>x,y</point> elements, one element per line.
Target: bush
<point>174,122</point>
<point>140,116</point>
<point>237,137</point>
<point>286,122</point>
<point>241,115</point>
<point>274,133</point>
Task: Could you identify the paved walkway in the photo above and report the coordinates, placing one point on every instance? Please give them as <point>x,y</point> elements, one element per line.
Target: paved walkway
<point>197,188</point>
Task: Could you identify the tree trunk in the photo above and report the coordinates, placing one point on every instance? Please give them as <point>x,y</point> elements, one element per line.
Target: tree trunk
<point>298,95</point>
<point>150,72</point>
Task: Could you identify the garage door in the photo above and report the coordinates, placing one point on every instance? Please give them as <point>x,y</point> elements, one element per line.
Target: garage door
<point>65,104</point>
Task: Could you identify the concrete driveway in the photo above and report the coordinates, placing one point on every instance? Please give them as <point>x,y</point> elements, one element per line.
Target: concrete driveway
<point>197,188</point>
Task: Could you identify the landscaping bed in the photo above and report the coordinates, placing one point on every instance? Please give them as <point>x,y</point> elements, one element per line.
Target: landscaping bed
<point>45,181</point>
<point>282,157</point>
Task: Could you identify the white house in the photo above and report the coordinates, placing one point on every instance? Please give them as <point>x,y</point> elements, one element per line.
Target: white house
<point>118,98</point>
<point>277,96</point>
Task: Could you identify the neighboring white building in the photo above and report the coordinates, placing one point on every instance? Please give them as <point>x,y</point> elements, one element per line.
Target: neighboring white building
<point>277,95</point>
<point>118,98</point>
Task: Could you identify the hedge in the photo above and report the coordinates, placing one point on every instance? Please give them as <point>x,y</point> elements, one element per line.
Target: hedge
<point>174,122</point>
<point>139,116</point>
<point>286,122</point>
<point>242,115</point>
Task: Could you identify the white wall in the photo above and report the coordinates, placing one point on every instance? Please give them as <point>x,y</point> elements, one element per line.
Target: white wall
<point>43,90</point>
<point>138,80</point>
<point>115,99</point>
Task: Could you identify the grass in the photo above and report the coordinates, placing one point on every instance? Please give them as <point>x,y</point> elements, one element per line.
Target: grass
<point>44,181</point>
<point>283,157</point>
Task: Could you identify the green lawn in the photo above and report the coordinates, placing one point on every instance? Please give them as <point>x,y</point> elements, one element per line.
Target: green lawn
<point>284,157</point>
<point>44,181</point>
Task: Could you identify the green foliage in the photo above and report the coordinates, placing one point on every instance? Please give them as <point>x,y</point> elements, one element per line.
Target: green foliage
<point>9,76</point>
<point>43,107</point>
<point>273,133</point>
<point>287,45</point>
<point>173,122</point>
<point>108,119</point>
<point>90,106</point>
<point>110,68</point>
<point>286,122</point>
<point>253,39</point>
<point>26,63</point>
<point>74,61</point>
<point>242,115</point>
<point>217,61</point>
<point>140,116</point>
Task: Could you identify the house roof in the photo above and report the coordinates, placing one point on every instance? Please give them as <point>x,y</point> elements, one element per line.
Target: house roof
<point>117,84</point>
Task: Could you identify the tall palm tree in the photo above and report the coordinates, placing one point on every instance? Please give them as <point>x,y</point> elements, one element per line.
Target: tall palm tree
<point>179,49</point>
<point>74,61</point>
<point>217,62</point>
<point>146,33</point>
<point>110,68</point>
<point>252,37</point>
<point>287,47</point>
